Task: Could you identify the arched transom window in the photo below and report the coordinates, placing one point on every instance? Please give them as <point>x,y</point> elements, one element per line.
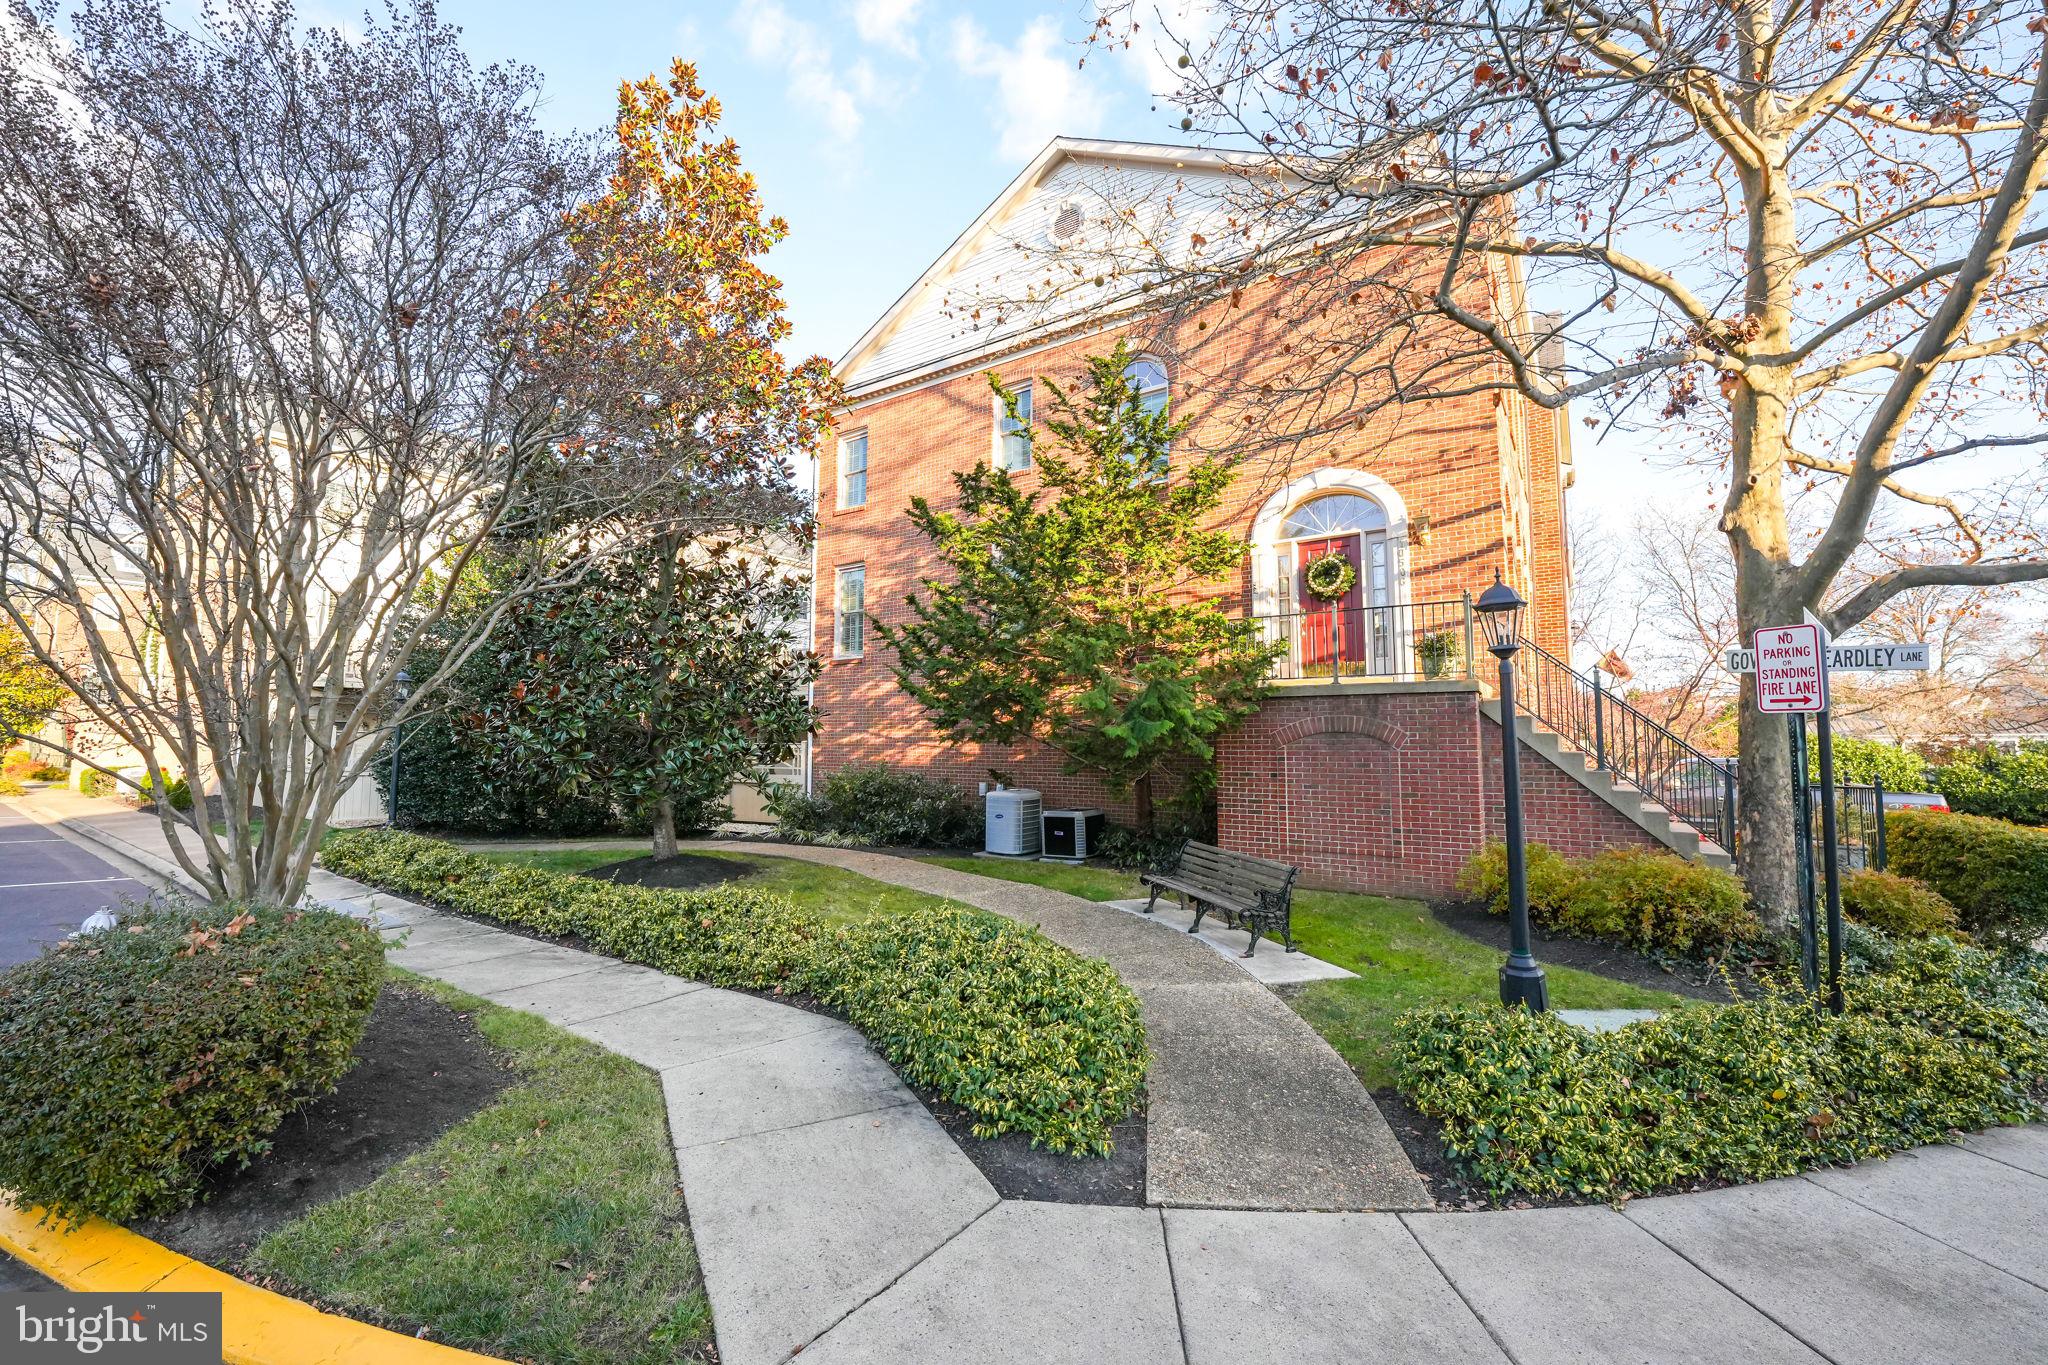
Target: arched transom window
<point>1148,377</point>
<point>1334,514</point>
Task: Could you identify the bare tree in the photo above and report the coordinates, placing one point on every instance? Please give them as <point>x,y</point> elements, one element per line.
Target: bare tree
<point>1805,236</point>
<point>290,330</point>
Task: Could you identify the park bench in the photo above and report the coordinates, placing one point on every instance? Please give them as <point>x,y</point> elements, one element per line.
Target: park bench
<point>1256,894</point>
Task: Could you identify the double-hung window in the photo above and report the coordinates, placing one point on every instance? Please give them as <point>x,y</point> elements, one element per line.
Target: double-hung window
<point>849,611</point>
<point>1148,377</point>
<point>1013,434</point>
<point>853,470</point>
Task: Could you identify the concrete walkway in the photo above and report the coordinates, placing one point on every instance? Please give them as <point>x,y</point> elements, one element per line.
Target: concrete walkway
<point>1247,1106</point>
<point>832,1216</point>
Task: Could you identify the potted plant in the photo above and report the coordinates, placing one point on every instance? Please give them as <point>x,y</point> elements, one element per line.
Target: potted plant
<point>1438,653</point>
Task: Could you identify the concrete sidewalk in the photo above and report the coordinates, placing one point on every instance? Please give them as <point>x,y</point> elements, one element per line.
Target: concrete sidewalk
<point>1247,1107</point>
<point>834,1218</point>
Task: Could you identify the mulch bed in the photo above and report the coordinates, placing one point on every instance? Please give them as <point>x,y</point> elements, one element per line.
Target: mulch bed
<point>1615,961</point>
<point>1011,1164</point>
<point>421,1069</point>
<point>684,872</point>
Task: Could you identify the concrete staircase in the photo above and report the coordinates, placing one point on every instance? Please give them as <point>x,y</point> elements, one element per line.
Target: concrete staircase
<point>1640,809</point>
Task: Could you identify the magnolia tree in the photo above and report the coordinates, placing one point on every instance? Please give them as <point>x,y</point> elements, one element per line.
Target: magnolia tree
<point>294,324</point>
<point>1803,239</point>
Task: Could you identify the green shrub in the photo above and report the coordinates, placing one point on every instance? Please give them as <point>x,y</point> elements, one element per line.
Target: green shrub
<point>1660,902</point>
<point>134,1060</point>
<point>92,782</point>
<point>1868,760</point>
<point>997,1018</point>
<point>1942,1038</point>
<point>449,782</point>
<point>1897,905</point>
<point>874,805</point>
<point>1651,901</point>
<point>2003,786</point>
<point>177,789</point>
<point>1994,873</point>
<point>994,1016</point>
<point>1553,880</point>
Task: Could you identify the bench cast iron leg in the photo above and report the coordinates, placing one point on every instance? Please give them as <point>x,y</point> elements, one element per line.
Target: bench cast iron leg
<point>1255,940</point>
<point>1154,901</point>
<point>1201,909</point>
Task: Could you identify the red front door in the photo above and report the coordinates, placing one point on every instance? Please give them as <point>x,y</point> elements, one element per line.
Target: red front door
<point>1330,631</point>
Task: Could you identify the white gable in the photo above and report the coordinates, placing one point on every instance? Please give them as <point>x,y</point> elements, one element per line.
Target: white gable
<point>1117,211</point>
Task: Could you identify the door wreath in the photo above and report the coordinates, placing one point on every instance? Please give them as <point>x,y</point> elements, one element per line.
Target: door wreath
<point>1330,576</point>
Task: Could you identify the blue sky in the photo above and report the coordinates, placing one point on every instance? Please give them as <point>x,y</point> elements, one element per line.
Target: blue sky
<point>878,128</point>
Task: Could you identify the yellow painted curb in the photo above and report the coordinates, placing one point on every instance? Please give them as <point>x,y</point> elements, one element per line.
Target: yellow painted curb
<point>257,1326</point>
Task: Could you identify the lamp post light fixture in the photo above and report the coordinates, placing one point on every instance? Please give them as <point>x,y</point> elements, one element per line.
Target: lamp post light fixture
<point>401,690</point>
<point>1521,981</point>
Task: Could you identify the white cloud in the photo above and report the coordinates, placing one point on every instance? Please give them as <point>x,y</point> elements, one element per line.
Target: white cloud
<point>887,23</point>
<point>1033,79</point>
<point>838,96</point>
<point>1169,27</point>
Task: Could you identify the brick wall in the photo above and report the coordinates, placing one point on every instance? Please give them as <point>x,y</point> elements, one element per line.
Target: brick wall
<point>1391,791</point>
<point>1460,463</point>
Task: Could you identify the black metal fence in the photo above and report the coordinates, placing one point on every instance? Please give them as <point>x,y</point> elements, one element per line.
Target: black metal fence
<point>1408,642</point>
<point>1696,787</point>
<point>1859,825</point>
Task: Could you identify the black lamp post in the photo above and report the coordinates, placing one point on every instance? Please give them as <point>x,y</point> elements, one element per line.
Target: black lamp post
<point>1521,980</point>
<point>401,689</point>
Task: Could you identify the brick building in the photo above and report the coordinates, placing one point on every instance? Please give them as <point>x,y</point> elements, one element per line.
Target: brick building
<point>1427,500</point>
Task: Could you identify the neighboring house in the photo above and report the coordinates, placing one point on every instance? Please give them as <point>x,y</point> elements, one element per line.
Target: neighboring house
<point>1428,500</point>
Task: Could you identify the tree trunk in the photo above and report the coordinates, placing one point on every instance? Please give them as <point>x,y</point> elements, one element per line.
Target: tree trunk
<point>1753,518</point>
<point>1141,801</point>
<point>1769,854</point>
<point>664,829</point>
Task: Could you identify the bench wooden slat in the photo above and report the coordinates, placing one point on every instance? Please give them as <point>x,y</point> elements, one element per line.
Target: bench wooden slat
<point>1246,890</point>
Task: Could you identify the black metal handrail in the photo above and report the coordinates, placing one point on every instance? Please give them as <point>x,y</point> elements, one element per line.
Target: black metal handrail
<point>1694,786</point>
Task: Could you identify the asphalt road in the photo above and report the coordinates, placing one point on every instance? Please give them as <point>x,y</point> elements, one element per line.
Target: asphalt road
<point>48,885</point>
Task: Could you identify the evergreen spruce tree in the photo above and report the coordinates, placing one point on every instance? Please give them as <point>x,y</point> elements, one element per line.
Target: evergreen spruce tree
<point>1080,616</point>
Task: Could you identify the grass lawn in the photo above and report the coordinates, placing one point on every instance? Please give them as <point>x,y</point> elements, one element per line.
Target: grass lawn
<point>831,893</point>
<point>1403,958</point>
<point>547,1226</point>
<point>1089,883</point>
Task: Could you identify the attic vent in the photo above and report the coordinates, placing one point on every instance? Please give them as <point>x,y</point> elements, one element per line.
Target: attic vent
<point>1067,223</point>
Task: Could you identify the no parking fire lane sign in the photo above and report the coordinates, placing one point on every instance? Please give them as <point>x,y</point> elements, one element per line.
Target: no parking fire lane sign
<point>1791,670</point>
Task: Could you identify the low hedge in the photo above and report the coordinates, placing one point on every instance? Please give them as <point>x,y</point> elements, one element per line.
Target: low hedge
<point>1937,1038</point>
<point>1994,873</point>
<point>1897,905</point>
<point>872,805</point>
<point>134,1060</point>
<point>992,1015</point>
<point>1652,901</point>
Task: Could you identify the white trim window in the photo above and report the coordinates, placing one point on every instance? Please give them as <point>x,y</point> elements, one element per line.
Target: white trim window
<point>1013,434</point>
<point>1148,376</point>
<point>853,470</point>
<point>849,611</point>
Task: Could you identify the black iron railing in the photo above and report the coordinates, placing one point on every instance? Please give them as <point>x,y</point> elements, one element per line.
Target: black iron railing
<point>1695,787</point>
<point>1408,642</point>
<point>1859,825</point>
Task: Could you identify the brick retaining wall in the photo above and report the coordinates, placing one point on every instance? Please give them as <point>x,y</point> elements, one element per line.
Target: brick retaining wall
<point>1391,790</point>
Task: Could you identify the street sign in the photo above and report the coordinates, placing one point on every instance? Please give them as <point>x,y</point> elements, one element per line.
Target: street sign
<point>1791,670</point>
<point>1848,658</point>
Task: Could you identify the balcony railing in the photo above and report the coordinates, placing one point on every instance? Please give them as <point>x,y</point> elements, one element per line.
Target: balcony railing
<point>1438,641</point>
<point>1409,642</point>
